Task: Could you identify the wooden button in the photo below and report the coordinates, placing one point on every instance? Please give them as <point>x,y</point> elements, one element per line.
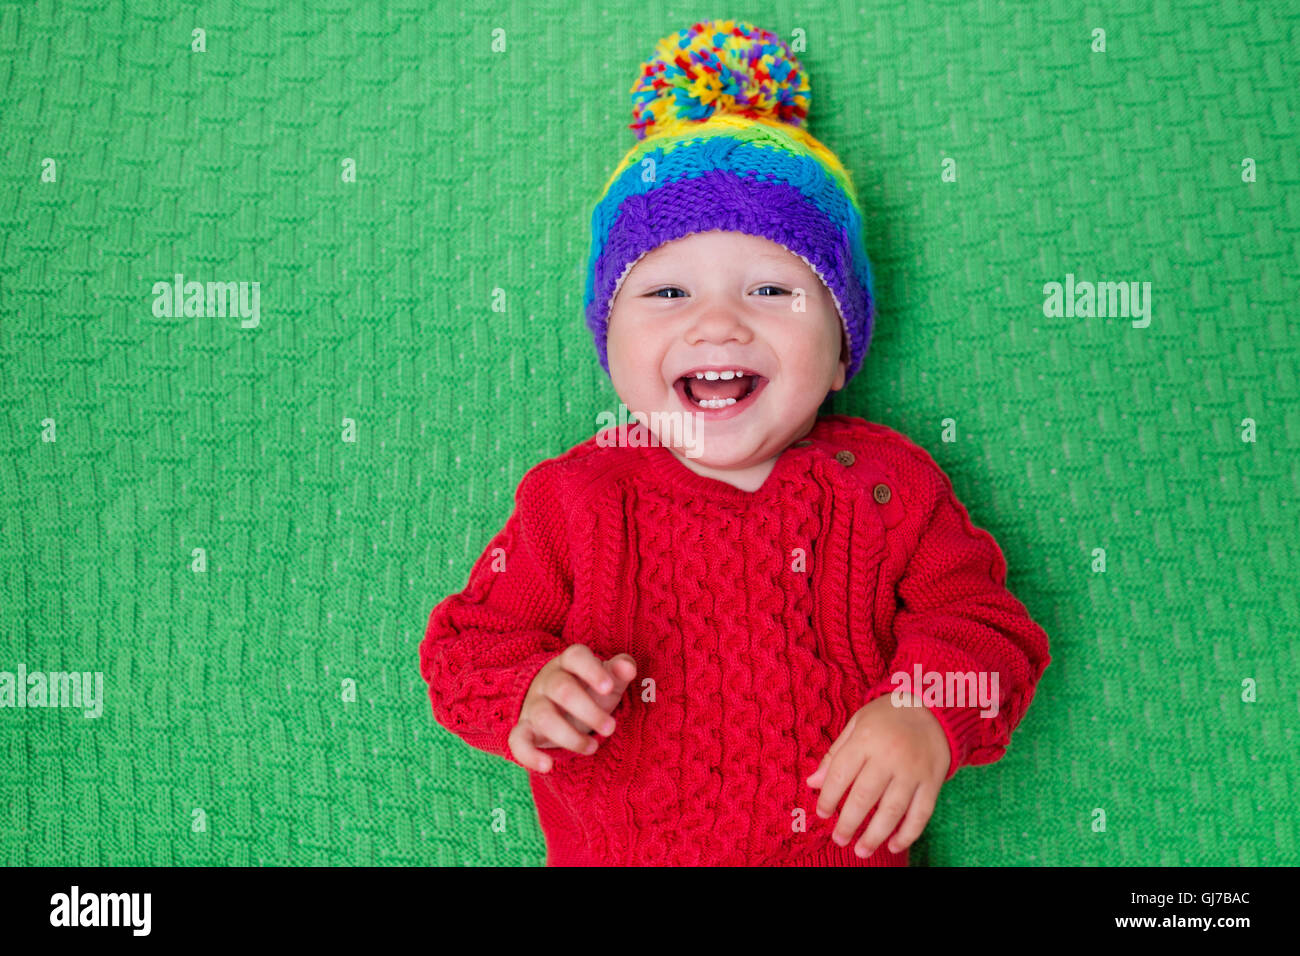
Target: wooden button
<point>881,493</point>
<point>845,458</point>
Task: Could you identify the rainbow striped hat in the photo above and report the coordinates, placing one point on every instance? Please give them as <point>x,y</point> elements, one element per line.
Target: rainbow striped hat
<point>719,109</point>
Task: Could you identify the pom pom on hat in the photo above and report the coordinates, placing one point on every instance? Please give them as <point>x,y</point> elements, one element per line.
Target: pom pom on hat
<point>723,66</point>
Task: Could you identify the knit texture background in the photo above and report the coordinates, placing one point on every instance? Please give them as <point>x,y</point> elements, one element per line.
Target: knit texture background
<point>421,345</point>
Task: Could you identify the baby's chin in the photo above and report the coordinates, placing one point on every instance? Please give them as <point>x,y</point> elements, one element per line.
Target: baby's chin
<point>714,445</point>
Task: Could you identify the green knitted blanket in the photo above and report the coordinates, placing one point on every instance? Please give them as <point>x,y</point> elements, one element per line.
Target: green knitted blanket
<point>231,514</point>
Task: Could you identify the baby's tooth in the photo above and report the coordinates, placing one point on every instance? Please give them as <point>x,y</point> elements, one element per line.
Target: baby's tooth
<point>711,376</point>
<point>699,375</point>
<point>726,376</point>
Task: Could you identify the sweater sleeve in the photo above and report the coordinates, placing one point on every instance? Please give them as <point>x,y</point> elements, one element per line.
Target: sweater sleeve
<point>484,645</point>
<point>956,615</point>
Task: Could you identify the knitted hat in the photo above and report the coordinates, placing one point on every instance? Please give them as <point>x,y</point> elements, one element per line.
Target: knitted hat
<point>719,111</point>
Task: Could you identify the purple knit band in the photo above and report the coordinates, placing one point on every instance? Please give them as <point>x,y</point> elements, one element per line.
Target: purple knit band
<point>719,199</point>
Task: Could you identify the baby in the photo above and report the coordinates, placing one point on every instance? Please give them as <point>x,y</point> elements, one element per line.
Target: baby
<point>775,646</point>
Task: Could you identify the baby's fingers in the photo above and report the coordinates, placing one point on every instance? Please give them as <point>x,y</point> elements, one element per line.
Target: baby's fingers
<point>547,719</point>
<point>891,809</point>
<point>815,780</point>
<point>617,666</point>
<point>871,782</point>
<point>918,815</point>
<point>522,745</point>
<point>620,675</point>
<point>580,661</point>
<point>573,698</point>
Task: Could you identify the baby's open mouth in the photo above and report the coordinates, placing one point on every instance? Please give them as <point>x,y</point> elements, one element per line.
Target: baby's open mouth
<point>719,389</point>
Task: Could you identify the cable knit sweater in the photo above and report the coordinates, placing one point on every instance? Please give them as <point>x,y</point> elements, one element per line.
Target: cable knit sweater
<point>759,621</point>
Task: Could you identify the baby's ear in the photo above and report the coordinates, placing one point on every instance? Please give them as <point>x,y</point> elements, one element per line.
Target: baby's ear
<point>842,372</point>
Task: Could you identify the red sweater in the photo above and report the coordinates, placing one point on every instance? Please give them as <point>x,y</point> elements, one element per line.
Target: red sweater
<point>764,619</point>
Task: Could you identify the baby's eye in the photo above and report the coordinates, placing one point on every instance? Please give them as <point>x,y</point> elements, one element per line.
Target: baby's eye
<point>777,290</point>
<point>671,288</point>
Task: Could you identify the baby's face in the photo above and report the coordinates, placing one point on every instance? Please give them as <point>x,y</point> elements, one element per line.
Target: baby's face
<point>724,302</point>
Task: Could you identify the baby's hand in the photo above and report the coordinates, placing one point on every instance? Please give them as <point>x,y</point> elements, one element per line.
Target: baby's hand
<point>898,752</point>
<point>573,693</point>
